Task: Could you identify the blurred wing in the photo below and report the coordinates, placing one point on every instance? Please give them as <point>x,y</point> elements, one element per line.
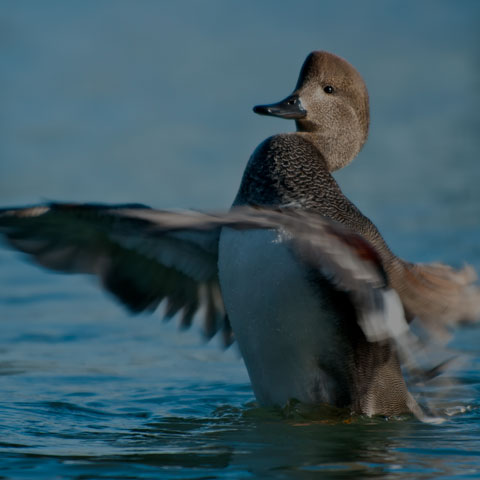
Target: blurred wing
<point>438,296</point>
<point>143,256</point>
<point>139,268</point>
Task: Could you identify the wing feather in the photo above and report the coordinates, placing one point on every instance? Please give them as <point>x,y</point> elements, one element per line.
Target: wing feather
<point>139,268</point>
<point>144,256</point>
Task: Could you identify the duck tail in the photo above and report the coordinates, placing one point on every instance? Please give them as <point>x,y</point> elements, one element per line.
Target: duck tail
<point>438,295</point>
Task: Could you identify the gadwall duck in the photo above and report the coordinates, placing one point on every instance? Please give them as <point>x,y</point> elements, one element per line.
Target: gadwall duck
<point>294,273</point>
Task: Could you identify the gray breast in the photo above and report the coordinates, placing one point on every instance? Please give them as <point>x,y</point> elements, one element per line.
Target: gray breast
<point>297,333</point>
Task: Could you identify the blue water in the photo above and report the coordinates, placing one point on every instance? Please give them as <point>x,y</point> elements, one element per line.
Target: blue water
<point>151,102</point>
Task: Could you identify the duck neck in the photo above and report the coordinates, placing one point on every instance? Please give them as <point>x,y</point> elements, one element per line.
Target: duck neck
<point>290,169</point>
<point>337,149</point>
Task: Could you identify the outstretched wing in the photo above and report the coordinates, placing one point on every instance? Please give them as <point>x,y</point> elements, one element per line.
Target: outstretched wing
<point>144,256</point>
<point>138,268</point>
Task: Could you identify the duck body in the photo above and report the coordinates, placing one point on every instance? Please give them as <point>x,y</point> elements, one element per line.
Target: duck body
<point>297,333</point>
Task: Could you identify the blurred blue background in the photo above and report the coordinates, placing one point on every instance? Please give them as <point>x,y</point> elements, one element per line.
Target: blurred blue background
<point>151,101</point>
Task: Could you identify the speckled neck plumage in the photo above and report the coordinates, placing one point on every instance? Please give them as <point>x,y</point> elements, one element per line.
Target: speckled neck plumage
<point>287,169</point>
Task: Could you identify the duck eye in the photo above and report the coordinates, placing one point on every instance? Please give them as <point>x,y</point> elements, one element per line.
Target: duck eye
<point>328,89</point>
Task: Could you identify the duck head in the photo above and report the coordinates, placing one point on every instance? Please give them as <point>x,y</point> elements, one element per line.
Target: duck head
<point>330,107</point>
